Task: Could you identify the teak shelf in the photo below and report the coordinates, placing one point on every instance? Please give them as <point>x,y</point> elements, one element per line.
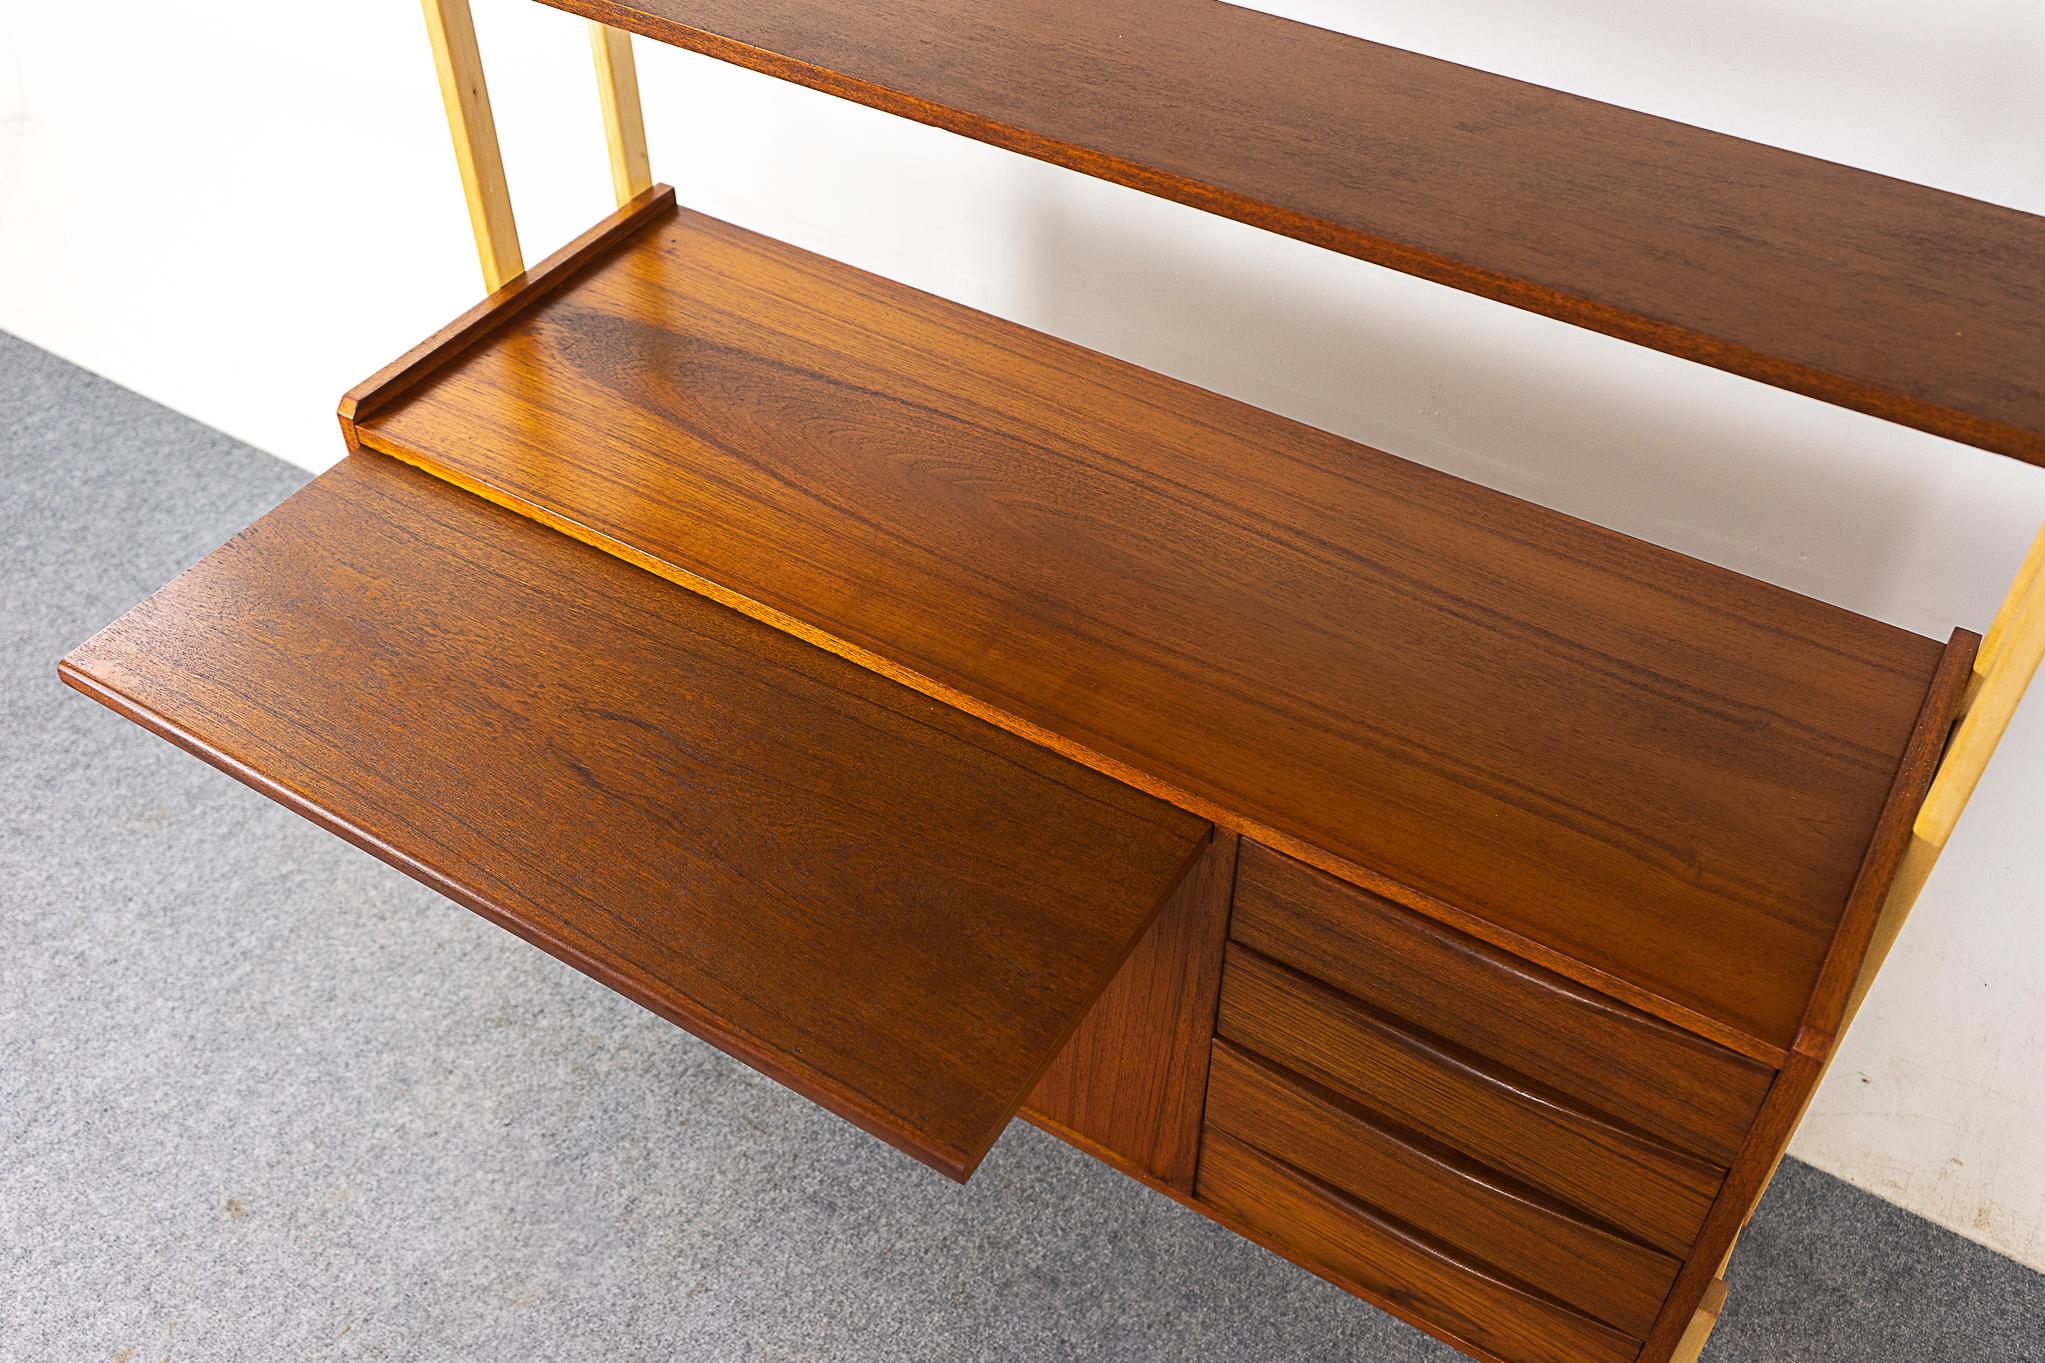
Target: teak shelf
<point>1457,898</point>
<point>1874,293</point>
<point>1457,697</point>
<point>658,791</point>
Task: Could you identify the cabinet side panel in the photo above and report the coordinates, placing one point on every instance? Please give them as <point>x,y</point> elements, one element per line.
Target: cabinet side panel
<point>1132,1082</point>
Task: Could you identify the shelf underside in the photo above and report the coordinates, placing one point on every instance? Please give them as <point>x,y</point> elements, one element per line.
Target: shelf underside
<point>891,907</point>
<point>1915,305</point>
<point>1653,775</point>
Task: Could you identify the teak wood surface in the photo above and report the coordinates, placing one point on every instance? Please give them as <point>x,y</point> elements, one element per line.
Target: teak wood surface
<point>1699,1097</point>
<point>1538,1239</point>
<point>1654,1193</point>
<point>1684,788</point>
<point>1132,1081</point>
<point>1850,958</point>
<point>1653,776</point>
<point>1912,304</point>
<point>1462,1301</point>
<point>891,907</point>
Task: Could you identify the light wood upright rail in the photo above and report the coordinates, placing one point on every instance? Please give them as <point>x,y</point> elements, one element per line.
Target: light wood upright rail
<point>452,30</point>
<point>617,83</point>
<point>2003,668</point>
<point>451,27</point>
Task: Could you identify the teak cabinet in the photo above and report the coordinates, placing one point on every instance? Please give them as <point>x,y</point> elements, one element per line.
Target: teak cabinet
<point>1457,898</point>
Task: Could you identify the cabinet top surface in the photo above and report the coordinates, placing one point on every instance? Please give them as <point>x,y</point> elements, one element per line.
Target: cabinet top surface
<point>1559,737</point>
<point>892,907</point>
<point>1892,298</point>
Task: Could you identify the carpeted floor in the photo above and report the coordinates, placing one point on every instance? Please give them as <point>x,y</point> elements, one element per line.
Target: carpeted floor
<point>263,1098</point>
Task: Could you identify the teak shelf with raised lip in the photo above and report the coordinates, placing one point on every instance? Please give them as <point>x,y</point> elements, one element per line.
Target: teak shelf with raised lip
<point>1494,713</point>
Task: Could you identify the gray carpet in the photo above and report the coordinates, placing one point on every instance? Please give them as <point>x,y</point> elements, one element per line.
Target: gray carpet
<point>263,1098</point>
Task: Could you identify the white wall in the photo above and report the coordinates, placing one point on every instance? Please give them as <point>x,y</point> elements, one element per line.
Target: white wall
<point>240,210</point>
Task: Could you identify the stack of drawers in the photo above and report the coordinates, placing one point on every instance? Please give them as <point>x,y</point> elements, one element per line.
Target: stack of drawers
<point>1488,1148</point>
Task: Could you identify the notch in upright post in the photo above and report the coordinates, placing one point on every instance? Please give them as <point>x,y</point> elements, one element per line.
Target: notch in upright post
<point>617,83</point>
<point>459,62</point>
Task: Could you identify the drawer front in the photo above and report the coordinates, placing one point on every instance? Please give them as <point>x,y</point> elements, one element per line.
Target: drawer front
<point>1516,1126</point>
<point>1489,1218</point>
<point>1404,1271</point>
<point>1698,1096</point>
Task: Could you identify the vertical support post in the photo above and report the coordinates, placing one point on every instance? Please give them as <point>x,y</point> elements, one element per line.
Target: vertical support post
<point>460,65</point>
<point>2008,658</point>
<point>2003,667</point>
<point>1998,636</point>
<point>1691,1348</point>
<point>617,85</point>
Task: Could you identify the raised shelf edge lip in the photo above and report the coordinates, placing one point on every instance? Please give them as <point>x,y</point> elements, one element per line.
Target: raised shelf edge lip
<point>1695,346</point>
<point>444,347</point>
<point>1825,1018</point>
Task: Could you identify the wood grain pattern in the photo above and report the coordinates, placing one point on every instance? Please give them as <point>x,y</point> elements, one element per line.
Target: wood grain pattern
<point>1744,1184</point>
<point>1133,1079</point>
<point>446,345</point>
<point>451,31</point>
<point>892,908</point>
<point>1465,1303</point>
<point>1696,1095</point>
<point>1498,1220</point>
<point>1912,304</point>
<point>617,84</point>
<point>1621,1176</point>
<point>1875,911</point>
<point>1889,880</point>
<point>1649,775</point>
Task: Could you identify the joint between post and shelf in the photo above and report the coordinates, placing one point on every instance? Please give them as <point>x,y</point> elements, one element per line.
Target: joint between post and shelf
<point>1691,1347</point>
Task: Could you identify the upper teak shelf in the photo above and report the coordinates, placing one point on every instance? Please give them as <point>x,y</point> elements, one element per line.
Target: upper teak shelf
<point>1914,305</point>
